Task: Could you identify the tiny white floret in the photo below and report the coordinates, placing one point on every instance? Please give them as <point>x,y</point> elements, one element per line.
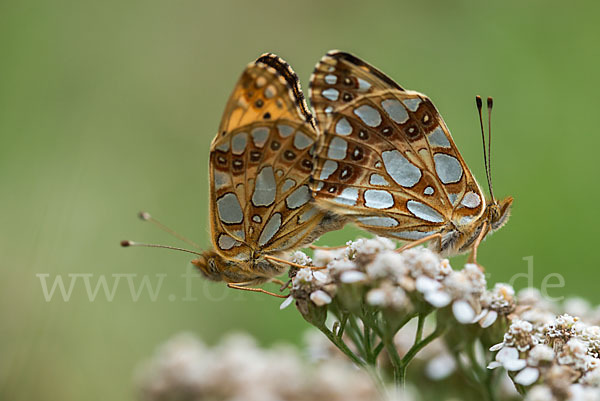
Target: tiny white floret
<point>320,298</point>
<point>463,312</point>
<point>288,301</point>
<point>352,276</point>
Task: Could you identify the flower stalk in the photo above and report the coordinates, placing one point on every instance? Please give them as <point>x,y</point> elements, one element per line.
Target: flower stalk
<point>371,292</point>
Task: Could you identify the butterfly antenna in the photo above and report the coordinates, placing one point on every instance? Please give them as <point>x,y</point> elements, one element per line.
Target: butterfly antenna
<point>147,217</point>
<point>479,103</point>
<point>127,243</point>
<point>490,104</point>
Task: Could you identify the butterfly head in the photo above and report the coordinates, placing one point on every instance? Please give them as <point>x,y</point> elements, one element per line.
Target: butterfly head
<point>216,268</point>
<point>211,265</point>
<point>499,212</point>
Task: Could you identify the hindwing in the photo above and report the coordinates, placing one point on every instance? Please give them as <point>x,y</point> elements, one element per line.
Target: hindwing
<point>260,166</point>
<point>385,155</point>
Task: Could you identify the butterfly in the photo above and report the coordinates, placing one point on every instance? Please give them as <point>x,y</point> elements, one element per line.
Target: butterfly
<point>387,161</point>
<point>260,164</point>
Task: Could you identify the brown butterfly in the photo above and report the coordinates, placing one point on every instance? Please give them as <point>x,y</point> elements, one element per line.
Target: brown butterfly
<point>260,164</point>
<point>386,159</point>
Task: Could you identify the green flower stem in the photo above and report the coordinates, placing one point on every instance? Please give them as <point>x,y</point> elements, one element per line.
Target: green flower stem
<point>365,359</point>
<point>472,377</point>
<point>366,338</point>
<point>420,324</point>
<point>342,327</point>
<point>372,330</point>
<point>377,350</point>
<point>342,346</point>
<point>466,372</point>
<point>390,347</point>
<point>395,359</point>
<point>469,378</point>
<point>370,319</point>
<point>402,323</point>
<point>478,370</point>
<point>371,369</point>
<point>356,335</point>
<point>350,327</point>
<point>367,343</point>
<point>420,344</point>
<point>483,375</point>
<point>490,385</point>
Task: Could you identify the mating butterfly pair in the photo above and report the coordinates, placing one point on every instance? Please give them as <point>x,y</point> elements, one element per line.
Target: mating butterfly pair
<point>376,155</point>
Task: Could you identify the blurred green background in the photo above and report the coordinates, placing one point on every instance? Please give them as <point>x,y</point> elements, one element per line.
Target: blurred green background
<point>107,108</point>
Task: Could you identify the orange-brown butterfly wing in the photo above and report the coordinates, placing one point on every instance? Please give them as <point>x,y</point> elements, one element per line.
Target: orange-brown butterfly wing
<point>260,165</point>
<point>385,156</point>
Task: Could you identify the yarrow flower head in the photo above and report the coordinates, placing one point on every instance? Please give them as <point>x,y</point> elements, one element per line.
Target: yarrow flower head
<point>371,271</point>
<point>559,351</point>
<point>371,291</point>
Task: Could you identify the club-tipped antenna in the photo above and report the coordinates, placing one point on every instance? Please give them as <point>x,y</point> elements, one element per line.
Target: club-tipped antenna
<point>485,149</point>
<point>147,217</point>
<point>490,104</point>
<point>127,243</point>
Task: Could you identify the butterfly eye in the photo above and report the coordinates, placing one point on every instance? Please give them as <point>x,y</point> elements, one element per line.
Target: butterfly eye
<point>495,214</point>
<point>212,266</point>
<point>503,214</point>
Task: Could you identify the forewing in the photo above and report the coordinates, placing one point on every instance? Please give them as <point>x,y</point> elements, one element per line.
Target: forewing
<point>260,165</point>
<point>385,155</point>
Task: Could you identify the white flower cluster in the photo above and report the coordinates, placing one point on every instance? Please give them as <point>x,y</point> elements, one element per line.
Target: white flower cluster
<point>185,369</point>
<point>555,357</point>
<point>397,280</point>
<point>549,353</point>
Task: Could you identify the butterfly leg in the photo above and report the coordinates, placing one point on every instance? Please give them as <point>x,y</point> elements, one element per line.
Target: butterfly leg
<point>437,236</point>
<point>294,264</point>
<point>276,281</point>
<point>285,285</point>
<point>239,287</point>
<point>473,255</point>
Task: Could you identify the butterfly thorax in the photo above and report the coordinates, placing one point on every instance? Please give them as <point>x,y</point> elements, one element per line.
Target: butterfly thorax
<point>255,270</point>
<point>459,236</point>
